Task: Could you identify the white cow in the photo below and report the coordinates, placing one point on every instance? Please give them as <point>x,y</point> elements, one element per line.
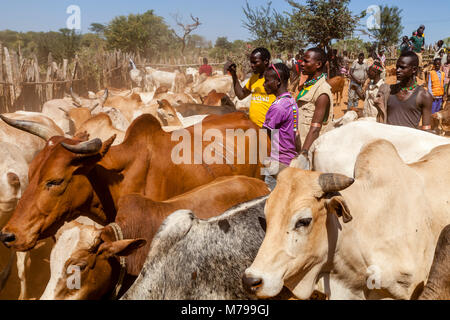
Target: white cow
<point>195,74</point>
<point>161,78</point>
<point>336,150</point>
<point>222,84</point>
<point>372,237</point>
<point>29,144</point>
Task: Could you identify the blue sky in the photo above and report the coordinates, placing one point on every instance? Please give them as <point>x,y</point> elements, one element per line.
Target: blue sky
<point>219,18</point>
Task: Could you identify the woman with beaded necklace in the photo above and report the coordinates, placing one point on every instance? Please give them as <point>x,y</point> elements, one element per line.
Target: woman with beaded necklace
<point>315,102</point>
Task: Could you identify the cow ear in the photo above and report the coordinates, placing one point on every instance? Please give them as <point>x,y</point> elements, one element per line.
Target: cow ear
<point>338,206</point>
<point>121,248</point>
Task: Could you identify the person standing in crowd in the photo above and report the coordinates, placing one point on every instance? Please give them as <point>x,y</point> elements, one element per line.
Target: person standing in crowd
<point>380,56</point>
<point>277,59</point>
<point>315,102</point>
<point>446,71</point>
<point>281,121</point>
<point>439,49</point>
<point>436,85</point>
<point>205,68</point>
<point>332,64</point>
<point>358,76</point>
<point>346,61</point>
<point>405,103</point>
<point>261,100</point>
<point>418,42</point>
<point>406,45</point>
<point>370,94</point>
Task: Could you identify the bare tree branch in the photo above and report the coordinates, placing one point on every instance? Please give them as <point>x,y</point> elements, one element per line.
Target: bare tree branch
<point>186,28</point>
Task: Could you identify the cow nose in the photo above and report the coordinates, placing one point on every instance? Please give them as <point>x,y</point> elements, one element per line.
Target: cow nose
<point>7,238</point>
<point>250,284</point>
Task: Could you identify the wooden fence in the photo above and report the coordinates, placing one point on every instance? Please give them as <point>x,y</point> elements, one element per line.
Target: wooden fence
<point>24,85</point>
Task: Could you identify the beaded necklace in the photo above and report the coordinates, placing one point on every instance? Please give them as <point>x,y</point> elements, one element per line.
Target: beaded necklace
<point>294,109</point>
<point>314,81</point>
<point>409,88</point>
<point>308,85</point>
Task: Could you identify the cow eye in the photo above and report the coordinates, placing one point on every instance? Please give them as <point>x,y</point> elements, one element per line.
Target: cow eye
<point>303,223</point>
<point>54,183</point>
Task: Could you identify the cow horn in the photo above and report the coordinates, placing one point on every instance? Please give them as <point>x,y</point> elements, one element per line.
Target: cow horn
<point>105,96</point>
<point>65,112</point>
<point>88,147</point>
<point>333,182</point>
<point>93,108</point>
<point>75,97</point>
<point>32,127</point>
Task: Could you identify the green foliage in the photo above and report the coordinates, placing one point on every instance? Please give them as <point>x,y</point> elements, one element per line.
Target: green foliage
<point>98,28</point>
<point>223,43</point>
<point>271,29</point>
<point>144,33</point>
<point>322,21</point>
<point>447,42</point>
<point>390,27</point>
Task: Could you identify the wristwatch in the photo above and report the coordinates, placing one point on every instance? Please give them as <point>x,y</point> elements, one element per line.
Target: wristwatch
<point>305,153</point>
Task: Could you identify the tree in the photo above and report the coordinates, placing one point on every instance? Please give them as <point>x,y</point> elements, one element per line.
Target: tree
<point>271,29</point>
<point>322,21</point>
<point>223,43</point>
<point>144,33</point>
<point>98,29</point>
<point>186,29</point>
<point>390,26</point>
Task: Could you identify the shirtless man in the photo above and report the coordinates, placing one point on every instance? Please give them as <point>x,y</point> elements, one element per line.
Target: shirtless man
<point>405,103</point>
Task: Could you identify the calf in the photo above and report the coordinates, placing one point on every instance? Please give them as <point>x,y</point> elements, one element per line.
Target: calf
<point>197,259</point>
<point>438,284</point>
<point>440,122</point>
<point>138,217</point>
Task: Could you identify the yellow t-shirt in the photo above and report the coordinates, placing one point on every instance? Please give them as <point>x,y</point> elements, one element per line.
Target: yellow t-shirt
<point>261,101</point>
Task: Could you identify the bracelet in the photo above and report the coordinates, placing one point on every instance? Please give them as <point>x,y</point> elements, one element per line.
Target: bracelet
<point>316,125</point>
<point>305,152</point>
<point>426,127</point>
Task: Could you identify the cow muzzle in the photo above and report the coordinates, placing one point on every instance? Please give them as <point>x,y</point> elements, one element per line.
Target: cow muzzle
<point>7,238</point>
<point>251,285</point>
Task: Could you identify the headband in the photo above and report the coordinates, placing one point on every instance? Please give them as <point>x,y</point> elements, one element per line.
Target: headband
<point>272,66</point>
<point>376,67</point>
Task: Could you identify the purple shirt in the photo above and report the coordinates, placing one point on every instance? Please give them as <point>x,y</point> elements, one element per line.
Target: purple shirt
<point>281,116</point>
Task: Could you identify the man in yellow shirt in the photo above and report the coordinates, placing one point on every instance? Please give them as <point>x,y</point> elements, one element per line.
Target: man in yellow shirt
<point>261,101</point>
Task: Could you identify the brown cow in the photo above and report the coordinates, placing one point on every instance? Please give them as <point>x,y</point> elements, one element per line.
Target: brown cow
<point>69,178</point>
<point>337,87</point>
<point>213,98</point>
<point>440,121</point>
<point>139,218</point>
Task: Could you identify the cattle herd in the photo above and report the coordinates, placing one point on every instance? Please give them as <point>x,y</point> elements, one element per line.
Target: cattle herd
<point>93,205</point>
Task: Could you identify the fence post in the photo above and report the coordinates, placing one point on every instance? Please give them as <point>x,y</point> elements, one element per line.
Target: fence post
<point>9,75</point>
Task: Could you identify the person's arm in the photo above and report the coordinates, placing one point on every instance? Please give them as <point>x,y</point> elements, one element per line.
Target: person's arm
<point>429,83</point>
<point>361,93</point>
<point>426,102</point>
<point>322,104</point>
<point>352,69</point>
<point>240,92</point>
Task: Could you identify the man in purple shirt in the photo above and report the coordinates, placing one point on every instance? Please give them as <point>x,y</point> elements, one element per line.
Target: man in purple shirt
<point>281,122</point>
